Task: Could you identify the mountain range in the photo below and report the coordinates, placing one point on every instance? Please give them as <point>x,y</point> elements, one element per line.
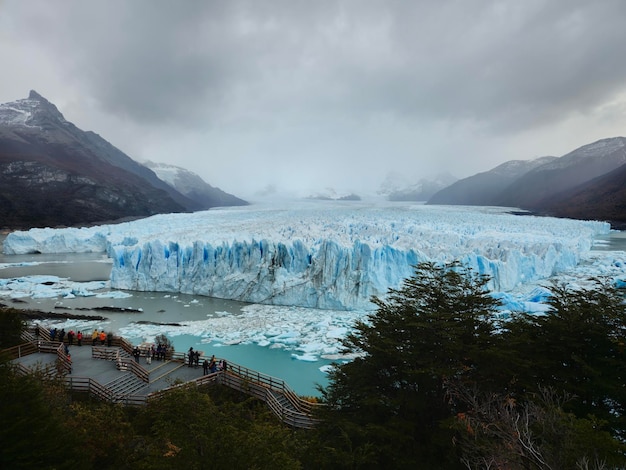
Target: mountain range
<point>54,174</point>
<point>587,183</point>
<point>397,187</point>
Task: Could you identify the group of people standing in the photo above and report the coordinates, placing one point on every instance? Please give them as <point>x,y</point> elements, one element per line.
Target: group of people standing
<point>159,353</point>
<point>60,336</point>
<point>101,337</point>
<point>208,366</point>
<point>69,337</point>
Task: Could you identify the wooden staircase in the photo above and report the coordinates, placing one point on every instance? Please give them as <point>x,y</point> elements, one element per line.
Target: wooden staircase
<point>127,388</point>
<point>124,385</point>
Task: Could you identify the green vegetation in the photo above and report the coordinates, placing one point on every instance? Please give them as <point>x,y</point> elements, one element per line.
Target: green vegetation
<point>438,382</point>
<point>11,326</point>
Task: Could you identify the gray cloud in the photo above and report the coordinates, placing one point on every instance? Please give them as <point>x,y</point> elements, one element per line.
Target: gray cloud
<point>353,84</point>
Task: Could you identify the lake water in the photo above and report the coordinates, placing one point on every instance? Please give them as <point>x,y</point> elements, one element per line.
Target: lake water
<point>163,308</point>
<point>159,308</point>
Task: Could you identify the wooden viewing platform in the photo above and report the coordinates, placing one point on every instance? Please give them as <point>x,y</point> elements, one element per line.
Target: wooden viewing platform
<point>111,373</point>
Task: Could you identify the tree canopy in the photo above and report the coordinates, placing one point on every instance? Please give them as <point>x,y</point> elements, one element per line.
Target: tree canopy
<point>439,381</point>
<point>437,373</point>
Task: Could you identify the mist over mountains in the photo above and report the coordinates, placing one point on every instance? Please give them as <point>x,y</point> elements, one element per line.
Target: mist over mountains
<point>53,173</point>
<point>192,186</point>
<point>397,187</point>
<point>587,183</point>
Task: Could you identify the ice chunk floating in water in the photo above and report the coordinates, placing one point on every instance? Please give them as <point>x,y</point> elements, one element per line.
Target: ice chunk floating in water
<point>322,255</point>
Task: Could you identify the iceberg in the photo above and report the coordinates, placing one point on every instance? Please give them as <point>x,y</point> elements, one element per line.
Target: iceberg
<point>333,256</point>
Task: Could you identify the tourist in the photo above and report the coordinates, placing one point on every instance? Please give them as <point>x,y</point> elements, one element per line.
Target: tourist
<point>94,337</point>
<point>222,365</point>
<point>196,359</point>
<point>152,351</point>
<point>70,338</point>
<point>205,367</point>
<point>109,338</point>
<point>79,338</point>
<point>62,335</point>
<point>103,337</point>
<point>136,354</point>
<point>213,364</point>
<point>53,334</point>
<point>190,357</point>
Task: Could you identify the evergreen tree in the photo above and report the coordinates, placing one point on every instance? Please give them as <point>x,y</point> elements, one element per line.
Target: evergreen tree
<point>185,428</point>
<point>11,327</point>
<point>577,348</point>
<point>388,405</point>
<point>32,432</point>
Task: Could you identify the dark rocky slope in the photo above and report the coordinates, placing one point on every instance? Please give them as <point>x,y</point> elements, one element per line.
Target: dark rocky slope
<point>484,189</point>
<point>603,198</point>
<point>52,173</point>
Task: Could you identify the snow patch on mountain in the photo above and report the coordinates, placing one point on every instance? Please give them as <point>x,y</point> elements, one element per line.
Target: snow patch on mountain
<point>24,112</point>
<point>597,150</point>
<point>398,186</point>
<point>516,168</point>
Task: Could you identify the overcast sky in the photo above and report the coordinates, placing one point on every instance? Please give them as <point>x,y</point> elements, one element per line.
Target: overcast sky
<point>308,94</point>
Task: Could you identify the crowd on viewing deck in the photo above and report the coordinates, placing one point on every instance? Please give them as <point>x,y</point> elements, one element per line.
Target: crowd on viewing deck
<point>149,351</point>
<point>208,366</point>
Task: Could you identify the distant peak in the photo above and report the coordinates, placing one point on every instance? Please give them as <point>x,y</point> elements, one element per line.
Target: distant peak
<point>43,105</point>
<point>33,95</point>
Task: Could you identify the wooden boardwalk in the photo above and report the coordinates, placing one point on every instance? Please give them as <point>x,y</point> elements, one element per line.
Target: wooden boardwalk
<point>110,373</point>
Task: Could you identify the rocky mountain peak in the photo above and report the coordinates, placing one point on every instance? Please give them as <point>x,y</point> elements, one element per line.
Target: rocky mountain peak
<point>34,111</point>
<point>43,108</point>
<point>33,95</point>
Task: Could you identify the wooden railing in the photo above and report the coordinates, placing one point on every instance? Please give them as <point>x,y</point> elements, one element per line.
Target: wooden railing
<point>251,382</point>
<point>89,385</point>
<point>204,380</point>
<point>122,362</point>
<point>272,383</point>
<point>22,369</point>
<point>102,352</point>
<point>63,361</point>
<point>296,419</point>
<point>21,350</point>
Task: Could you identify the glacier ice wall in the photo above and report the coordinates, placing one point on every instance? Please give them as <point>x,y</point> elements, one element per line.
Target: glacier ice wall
<point>322,255</point>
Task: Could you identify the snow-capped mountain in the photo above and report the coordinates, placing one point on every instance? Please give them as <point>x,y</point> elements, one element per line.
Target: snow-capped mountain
<point>397,187</point>
<point>193,186</point>
<point>585,183</point>
<point>34,111</point>
<point>331,194</point>
<point>53,173</point>
<point>538,187</point>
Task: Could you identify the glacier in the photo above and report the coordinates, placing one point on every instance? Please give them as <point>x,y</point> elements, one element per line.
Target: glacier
<point>324,255</point>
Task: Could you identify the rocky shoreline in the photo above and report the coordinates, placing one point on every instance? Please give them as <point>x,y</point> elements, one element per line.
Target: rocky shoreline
<point>29,314</point>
